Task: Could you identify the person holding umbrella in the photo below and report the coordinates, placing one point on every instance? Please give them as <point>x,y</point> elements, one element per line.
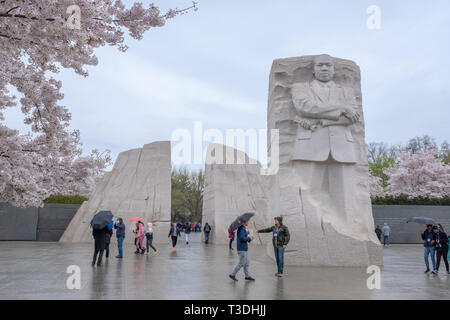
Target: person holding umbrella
<point>429,238</point>
<point>242,245</point>
<point>280,240</point>
<point>140,234</point>
<point>100,232</point>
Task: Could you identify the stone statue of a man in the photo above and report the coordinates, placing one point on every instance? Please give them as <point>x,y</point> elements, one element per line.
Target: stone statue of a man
<point>324,160</point>
<point>325,111</point>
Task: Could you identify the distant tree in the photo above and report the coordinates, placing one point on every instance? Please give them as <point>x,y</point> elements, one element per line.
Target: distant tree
<point>420,145</point>
<point>420,175</point>
<point>378,167</point>
<point>444,152</point>
<point>375,150</point>
<point>187,195</point>
<point>376,190</point>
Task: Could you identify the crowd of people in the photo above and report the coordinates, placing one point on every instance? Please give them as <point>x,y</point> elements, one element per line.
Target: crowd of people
<point>435,241</point>
<point>102,237</point>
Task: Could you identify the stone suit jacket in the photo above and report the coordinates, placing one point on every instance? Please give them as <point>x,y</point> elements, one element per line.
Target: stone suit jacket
<point>333,135</point>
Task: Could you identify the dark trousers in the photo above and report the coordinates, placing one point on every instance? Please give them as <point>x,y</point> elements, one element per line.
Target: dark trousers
<point>174,241</point>
<point>107,251</point>
<point>442,252</point>
<point>231,243</point>
<point>94,259</point>
<point>150,245</point>
<point>206,237</point>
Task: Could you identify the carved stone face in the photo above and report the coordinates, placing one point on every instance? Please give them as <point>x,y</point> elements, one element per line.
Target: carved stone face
<point>323,68</point>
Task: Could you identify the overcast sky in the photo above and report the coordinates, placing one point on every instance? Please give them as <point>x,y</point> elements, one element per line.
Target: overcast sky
<point>213,65</point>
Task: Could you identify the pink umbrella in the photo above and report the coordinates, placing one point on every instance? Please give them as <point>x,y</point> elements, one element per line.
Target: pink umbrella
<point>136,219</point>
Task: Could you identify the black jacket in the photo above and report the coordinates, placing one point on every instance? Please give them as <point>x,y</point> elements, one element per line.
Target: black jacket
<point>101,237</point>
<point>378,232</point>
<point>207,228</point>
<point>283,237</point>
<point>428,235</point>
<point>171,232</point>
<point>187,228</point>
<point>443,240</point>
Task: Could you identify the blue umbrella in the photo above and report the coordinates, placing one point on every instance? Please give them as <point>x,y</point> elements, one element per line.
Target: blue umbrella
<point>240,221</point>
<point>101,219</point>
<point>421,220</point>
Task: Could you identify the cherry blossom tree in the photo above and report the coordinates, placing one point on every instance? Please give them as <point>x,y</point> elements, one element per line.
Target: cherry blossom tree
<point>37,39</point>
<point>420,175</point>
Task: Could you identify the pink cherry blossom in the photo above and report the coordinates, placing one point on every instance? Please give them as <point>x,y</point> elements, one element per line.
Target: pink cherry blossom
<point>36,42</point>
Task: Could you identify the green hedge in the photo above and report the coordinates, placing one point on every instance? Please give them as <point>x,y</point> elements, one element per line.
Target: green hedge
<point>59,198</point>
<point>404,200</point>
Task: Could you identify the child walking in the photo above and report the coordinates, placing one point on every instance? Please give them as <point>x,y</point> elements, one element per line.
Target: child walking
<point>149,236</point>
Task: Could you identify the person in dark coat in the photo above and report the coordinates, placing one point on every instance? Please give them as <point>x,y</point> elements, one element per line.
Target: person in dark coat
<point>101,237</point>
<point>187,231</point>
<point>206,230</point>
<point>378,232</point>
<point>280,240</point>
<point>441,247</point>
<point>174,233</point>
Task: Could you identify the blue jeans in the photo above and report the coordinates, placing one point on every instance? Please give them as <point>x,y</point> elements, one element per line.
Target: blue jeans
<point>430,251</point>
<point>279,257</point>
<point>119,246</point>
<point>386,240</point>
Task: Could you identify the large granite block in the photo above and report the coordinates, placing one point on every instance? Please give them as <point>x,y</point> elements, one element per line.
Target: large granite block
<point>231,190</point>
<point>139,185</point>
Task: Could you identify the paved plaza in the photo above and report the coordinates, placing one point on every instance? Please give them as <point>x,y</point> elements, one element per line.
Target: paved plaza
<point>37,270</point>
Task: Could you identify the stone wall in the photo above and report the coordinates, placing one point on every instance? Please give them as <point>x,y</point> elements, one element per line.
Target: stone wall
<point>29,224</point>
<point>396,217</point>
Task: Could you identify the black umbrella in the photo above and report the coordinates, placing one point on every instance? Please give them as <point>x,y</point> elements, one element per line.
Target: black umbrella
<point>101,219</point>
<point>421,220</point>
<point>241,220</point>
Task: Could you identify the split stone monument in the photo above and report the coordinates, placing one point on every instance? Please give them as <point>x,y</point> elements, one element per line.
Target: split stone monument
<point>321,188</point>
<point>139,185</point>
<point>232,189</point>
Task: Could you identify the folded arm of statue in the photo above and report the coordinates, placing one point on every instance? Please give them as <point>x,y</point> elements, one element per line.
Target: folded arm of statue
<point>343,121</point>
<point>306,124</point>
<point>308,109</point>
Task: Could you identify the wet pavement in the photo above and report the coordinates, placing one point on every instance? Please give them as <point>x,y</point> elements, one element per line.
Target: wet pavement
<point>37,270</point>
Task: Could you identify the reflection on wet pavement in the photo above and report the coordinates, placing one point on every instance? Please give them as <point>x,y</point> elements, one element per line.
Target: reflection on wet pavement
<point>37,270</point>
